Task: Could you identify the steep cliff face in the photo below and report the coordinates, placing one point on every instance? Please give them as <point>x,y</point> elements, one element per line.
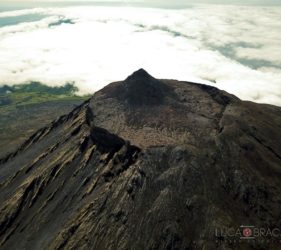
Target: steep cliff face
<point>145,164</point>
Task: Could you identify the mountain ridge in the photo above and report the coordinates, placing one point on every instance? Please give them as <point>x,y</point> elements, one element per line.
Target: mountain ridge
<point>164,171</point>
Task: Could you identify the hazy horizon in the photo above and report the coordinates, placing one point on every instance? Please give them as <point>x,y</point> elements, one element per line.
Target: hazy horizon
<point>149,2</point>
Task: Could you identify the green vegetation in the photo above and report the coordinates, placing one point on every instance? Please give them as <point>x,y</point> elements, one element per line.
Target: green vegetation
<point>12,97</point>
<point>67,89</point>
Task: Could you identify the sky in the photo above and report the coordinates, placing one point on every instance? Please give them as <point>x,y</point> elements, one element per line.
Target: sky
<point>169,2</point>
<point>235,48</point>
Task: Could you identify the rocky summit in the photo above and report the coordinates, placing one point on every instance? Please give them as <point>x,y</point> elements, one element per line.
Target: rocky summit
<point>147,164</point>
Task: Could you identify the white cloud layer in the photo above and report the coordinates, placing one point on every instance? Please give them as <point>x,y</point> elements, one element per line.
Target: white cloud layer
<point>237,47</point>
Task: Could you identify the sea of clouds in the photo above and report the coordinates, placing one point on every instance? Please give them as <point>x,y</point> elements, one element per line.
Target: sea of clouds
<point>235,48</point>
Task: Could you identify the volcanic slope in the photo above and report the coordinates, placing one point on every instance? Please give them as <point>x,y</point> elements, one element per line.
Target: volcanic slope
<point>145,164</point>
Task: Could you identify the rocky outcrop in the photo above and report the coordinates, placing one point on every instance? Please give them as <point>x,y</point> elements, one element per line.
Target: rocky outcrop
<point>146,164</point>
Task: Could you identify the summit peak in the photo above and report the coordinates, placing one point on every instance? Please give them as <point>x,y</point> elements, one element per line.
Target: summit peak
<point>139,74</point>
<point>141,88</point>
<point>138,89</point>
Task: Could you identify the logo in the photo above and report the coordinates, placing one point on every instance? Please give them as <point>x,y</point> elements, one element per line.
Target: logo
<point>248,233</point>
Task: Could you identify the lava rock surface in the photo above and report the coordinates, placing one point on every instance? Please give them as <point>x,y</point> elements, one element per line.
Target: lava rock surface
<point>145,164</point>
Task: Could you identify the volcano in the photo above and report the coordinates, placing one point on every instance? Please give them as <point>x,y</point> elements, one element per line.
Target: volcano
<point>147,163</point>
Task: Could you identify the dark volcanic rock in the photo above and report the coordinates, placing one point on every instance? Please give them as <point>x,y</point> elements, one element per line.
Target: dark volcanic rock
<point>140,88</point>
<point>146,164</point>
